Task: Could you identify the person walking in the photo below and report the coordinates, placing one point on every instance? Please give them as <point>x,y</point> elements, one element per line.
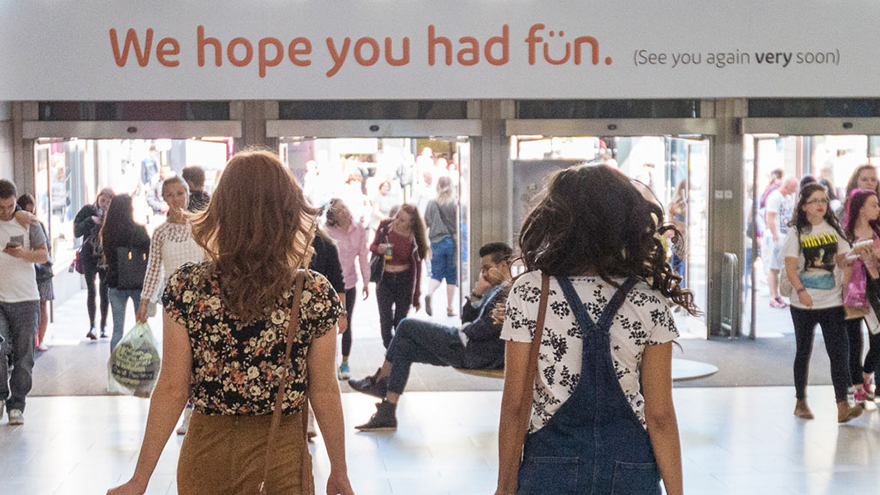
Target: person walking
<point>87,224</point>
<point>19,304</point>
<point>779,211</point>
<point>172,246</point>
<point>126,246</point>
<point>815,248</point>
<point>228,327</point>
<point>402,242</point>
<point>440,219</point>
<point>597,294</point>
<point>351,244</point>
<point>44,275</point>
<point>860,290</point>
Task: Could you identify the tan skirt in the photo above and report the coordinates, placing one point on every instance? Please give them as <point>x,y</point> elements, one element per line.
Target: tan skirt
<point>226,455</point>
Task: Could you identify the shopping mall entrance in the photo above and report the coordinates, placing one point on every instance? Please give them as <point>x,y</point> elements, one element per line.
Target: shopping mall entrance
<point>69,172</point>
<point>674,166</point>
<point>828,150</point>
<point>377,167</point>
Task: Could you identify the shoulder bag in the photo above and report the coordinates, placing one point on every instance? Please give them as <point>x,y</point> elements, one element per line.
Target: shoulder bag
<point>292,329</point>
<point>532,369</point>
<point>377,261</point>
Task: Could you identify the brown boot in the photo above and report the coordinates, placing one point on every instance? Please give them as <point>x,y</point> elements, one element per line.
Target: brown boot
<point>802,410</point>
<point>846,412</point>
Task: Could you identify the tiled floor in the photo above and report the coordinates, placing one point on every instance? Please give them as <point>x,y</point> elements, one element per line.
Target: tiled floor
<point>735,440</point>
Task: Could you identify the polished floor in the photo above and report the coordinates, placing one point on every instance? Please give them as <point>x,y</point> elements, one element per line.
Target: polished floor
<point>735,441</point>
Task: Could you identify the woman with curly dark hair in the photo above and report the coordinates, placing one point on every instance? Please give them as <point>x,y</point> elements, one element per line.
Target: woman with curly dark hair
<point>602,417</point>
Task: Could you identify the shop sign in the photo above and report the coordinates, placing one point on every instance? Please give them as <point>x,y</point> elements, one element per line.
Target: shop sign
<point>437,49</point>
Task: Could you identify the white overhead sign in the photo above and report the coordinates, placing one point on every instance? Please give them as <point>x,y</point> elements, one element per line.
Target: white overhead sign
<point>436,49</point>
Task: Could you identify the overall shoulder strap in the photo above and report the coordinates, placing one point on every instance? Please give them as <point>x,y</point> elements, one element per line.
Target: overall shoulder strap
<point>576,304</point>
<point>616,302</point>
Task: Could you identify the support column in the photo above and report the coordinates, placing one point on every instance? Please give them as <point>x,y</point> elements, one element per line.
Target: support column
<point>22,149</point>
<point>253,115</point>
<point>726,210</point>
<point>490,178</point>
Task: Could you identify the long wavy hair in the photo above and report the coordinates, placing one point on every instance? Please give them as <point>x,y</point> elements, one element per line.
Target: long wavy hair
<point>418,229</point>
<point>854,205</point>
<point>592,219</point>
<point>256,231</point>
<point>853,183</point>
<point>799,220</point>
<point>119,224</point>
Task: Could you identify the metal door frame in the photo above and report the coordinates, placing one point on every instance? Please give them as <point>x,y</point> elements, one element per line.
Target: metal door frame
<point>132,129</point>
<point>378,128</point>
<point>771,128</point>
<point>386,128</point>
<point>706,128</point>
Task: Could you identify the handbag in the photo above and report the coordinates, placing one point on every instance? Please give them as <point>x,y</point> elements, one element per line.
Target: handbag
<point>377,261</point>
<point>44,272</point>
<point>292,328</point>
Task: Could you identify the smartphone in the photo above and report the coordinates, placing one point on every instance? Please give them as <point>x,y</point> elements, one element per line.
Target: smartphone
<point>15,241</point>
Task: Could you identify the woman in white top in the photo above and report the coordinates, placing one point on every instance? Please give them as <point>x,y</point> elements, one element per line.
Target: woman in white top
<point>814,250</point>
<point>172,246</point>
<point>602,417</point>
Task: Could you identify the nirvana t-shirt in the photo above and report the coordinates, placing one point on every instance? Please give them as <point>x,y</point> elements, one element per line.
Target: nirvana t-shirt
<point>817,269</point>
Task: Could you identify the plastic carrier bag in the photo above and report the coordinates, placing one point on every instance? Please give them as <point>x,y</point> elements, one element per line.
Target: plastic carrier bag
<point>134,364</point>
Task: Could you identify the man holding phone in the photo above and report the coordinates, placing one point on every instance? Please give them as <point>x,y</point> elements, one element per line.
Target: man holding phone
<point>19,303</point>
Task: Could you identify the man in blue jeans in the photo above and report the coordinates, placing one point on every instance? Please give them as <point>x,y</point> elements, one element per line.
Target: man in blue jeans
<point>477,345</point>
<point>19,303</point>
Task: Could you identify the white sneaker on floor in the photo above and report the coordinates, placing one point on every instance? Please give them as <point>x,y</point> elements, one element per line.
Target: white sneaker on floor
<point>16,417</point>
<point>187,415</point>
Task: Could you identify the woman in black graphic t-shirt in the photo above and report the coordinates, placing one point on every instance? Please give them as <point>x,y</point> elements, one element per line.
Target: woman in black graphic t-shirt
<point>814,251</point>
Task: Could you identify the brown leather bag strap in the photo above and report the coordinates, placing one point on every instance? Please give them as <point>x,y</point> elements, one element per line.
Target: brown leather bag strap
<point>284,379</point>
<point>532,369</point>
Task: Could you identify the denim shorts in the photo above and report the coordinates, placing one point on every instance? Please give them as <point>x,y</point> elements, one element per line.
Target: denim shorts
<point>443,261</point>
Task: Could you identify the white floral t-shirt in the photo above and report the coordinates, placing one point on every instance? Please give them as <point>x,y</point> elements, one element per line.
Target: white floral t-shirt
<point>644,319</point>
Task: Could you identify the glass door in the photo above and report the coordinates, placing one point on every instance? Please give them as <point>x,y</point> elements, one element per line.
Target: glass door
<point>374,176</point>
<point>675,168</point>
<point>769,160</point>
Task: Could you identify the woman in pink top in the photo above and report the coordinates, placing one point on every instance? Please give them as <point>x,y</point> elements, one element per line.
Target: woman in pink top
<point>351,243</point>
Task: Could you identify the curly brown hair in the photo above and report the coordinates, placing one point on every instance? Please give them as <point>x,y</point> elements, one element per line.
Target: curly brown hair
<point>593,220</point>
<point>257,231</point>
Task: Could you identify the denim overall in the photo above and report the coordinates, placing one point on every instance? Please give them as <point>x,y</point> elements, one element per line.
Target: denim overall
<point>594,444</point>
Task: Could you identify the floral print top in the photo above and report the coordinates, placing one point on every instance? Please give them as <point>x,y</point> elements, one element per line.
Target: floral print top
<point>644,319</point>
<point>236,365</point>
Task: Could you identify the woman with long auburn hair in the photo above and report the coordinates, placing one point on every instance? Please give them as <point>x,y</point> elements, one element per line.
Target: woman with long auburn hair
<point>590,409</point>
<point>225,338</point>
<point>401,240</point>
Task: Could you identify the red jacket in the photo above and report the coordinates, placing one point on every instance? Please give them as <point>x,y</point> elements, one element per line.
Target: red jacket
<point>416,275</point>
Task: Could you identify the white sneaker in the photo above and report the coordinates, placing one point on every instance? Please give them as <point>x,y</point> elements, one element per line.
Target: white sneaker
<point>187,414</point>
<point>16,417</point>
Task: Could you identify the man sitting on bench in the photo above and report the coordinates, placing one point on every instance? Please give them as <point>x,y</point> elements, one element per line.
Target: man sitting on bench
<point>477,345</point>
